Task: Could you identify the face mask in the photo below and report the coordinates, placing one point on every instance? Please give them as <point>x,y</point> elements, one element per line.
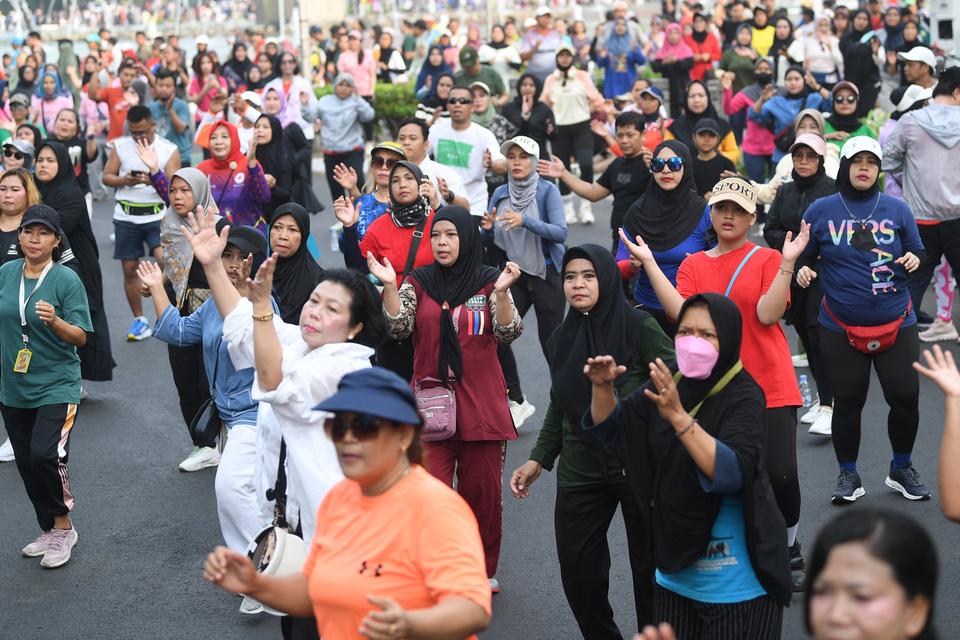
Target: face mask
<point>696,357</point>
<point>764,79</point>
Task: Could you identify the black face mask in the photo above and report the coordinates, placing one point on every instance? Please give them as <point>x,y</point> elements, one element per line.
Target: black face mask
<point>764,79</point>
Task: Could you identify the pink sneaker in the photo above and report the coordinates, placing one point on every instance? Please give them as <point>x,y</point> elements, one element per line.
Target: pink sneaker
<point>58,552</point>
<point>39,546</point>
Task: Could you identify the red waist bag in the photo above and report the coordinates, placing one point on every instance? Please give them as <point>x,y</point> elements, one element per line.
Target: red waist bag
<point>870,340</point>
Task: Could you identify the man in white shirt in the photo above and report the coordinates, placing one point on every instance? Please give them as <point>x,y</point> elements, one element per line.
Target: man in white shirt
<point>467,148</point>
<point>414,135</point>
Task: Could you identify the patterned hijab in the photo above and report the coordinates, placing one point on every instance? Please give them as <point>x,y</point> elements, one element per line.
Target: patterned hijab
<point>177,251</point>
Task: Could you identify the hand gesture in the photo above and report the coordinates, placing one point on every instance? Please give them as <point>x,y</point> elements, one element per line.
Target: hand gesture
<point>510,274</point>
<point>260,288</point>
<point>526,104</point>
<point>428,191</point>
<point>488,220</point>
<point>768,92</point>
<point>271,181</point>
<point>647,156</point>
<point>384,271</point>
<point>201,231</point>
<point>510,220</point>
<point>147,155</point>
<point>639,250</point>
<point>229,570</point>
<point>665,396</point>
<point>599,128</point>
<point>838,135</point>
<point>874,45</point>
<point>304,98</point>
<point>345,176</point>
<point>805,276</point>
<point>252,151</point>
<point>909,261</point>
<point>793,247</point>
<point>239,104</point>
<point>245,270</point>
<point>603,370</point>
<point>663,632</point>
<point>150,276</point>
<point>726,80</point>
<point>345,212</point>
<point>45,312</point>
<point>487,159</point>
<point>389,623</point>
<point>941,369</point>
<point>524,476</point>
<point>809,79</point>
<point>552,168</point>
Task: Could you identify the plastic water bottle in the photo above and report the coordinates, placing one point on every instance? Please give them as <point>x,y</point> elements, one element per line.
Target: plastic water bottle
<point>335,229</point>
<point>805,391</point>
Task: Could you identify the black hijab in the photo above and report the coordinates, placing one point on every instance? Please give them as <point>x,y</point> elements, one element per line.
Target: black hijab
<point>26,87</point>
<point>432,101</point>
<point>611,328</point>
<point>295,277</point>
<point>37,135</point>
<point>852,37</point>
<point>408,215</point>
<point>455,284</point>
<point>848,123</point>
<point>846,188</point>
<point>804,183</point>
<point>277,156</point>
<point>685,125</point>
<point>728,322</point>
<point>780,43</point>
<point>239,67</point>
<point>804,92</point>
<point>259,84</point>
<point>664,219</point>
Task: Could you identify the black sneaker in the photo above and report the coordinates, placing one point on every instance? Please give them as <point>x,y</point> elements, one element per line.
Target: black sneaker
<point>798,568</point>
<point>907,482</point>
<point>924,319</point>
<point>849,488</point>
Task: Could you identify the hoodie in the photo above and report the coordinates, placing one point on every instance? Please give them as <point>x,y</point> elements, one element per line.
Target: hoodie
<point>923,146</point>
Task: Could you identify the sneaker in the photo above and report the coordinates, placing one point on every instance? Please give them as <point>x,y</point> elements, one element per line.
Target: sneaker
<point>6,451</point>
<point>823,425</point>
<point>798,568</point>
<point>810,416</point>
<point>939,331</point>
<point>907,482</point>
<point>39,546</point>
<point>521,411</point>
<point>849,488</point>
<point>924,320</point>
<point>139,330</point>
<point>58,551</point>
<point>494,585</point>
<point>800,361</point>
<point>569,213</point>
<point>586,214</point>
<point>200,458</point>
<point>83,393</point>
<point>250,607</point>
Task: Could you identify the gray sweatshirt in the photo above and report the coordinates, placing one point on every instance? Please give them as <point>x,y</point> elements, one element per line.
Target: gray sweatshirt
<point>925,145</point>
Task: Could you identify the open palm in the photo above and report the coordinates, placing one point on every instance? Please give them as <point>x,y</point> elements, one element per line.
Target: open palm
<point>201,231</point>
<point>384,271</point>
<point>639,249</point>
<point>794,246</point>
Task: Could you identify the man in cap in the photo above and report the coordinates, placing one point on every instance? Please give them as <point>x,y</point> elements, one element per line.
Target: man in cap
<point>539,45</point>
<point>919,66</point>
<point>172,115</point>
<point>472,71</point>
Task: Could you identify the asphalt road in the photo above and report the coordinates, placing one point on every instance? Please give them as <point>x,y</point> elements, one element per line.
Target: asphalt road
<point>145,528</point>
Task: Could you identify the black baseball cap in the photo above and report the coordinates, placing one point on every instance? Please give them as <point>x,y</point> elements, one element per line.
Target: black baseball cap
<point>708,124</point>
<point>41,214</point>
<point>247,239</point>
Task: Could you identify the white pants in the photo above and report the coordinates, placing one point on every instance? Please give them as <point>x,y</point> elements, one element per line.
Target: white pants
<point>241,516</point>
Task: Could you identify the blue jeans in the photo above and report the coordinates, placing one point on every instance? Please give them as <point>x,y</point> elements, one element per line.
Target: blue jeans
<point>756,167</point>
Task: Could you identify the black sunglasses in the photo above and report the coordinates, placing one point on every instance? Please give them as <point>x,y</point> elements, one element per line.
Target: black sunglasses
<point>12,153</point>
<point>380,161</point>
<point>848,99</point>
<point>674,164</point>
<point>363,427</point>
<point>459,100</point>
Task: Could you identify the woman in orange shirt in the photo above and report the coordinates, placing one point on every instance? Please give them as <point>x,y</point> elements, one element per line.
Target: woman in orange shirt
<point>396,553</point>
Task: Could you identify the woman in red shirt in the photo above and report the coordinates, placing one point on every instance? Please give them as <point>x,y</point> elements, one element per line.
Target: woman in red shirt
<point>757,279</point>
<point>705,46</point>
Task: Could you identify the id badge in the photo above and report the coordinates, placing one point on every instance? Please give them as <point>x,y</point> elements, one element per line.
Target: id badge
<point>22,365</point>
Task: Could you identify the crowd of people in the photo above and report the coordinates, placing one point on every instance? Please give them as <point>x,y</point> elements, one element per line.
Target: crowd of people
<point>333,400</point>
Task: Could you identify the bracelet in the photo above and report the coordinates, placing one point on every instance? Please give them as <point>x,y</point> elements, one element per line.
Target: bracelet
<point>267,317</point>
<point>782,270</point>
<point>693,421</point>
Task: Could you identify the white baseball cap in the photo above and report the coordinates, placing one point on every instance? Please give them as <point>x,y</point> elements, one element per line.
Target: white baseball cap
<point>529,146</point>
<point>920,54</point>
<point>855,145</point>
<point>914,94</point>
<point>543,11</point>
<point>203,39</point>
<point>252,97</point>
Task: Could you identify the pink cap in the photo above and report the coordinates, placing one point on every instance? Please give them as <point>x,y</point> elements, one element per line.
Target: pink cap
<point>811,140</point>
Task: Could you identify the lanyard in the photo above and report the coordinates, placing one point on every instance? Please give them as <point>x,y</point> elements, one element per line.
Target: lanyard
<point>23,301</point>
<point>717,388</point>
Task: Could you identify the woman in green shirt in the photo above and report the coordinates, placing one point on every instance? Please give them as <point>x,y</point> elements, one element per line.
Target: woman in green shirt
<point>590,477</point>
<point>843,122</point>
<point>44,317</point>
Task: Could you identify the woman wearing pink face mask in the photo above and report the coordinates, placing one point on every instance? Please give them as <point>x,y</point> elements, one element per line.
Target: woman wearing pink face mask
<point>693,447</point>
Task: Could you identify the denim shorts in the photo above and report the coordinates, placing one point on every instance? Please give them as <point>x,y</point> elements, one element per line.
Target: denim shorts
<point>130,239</point>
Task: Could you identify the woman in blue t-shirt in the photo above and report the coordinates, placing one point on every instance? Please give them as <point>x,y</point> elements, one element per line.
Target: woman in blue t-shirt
<point>672,218</point>
<point>867,242</point>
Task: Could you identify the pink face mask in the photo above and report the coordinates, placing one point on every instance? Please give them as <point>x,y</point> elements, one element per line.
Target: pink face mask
<point>696,357</point>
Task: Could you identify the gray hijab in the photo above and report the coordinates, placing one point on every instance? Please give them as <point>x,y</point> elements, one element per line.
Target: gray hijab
<point>520,244</point>
<point>177,251</point>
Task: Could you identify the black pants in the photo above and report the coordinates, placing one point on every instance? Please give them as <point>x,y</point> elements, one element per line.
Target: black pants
<point>351,159</point>
<point>397,356</point>
<point>511,375</point>
<point>757,619</point>
<point>899,381</point>
<point>575,140</point>
<point>41,442</point>
<point>582,517</point>
<point>782,461</point>
<point>190,378</point>
<point>545,295</point>
<point>938,240</point>
<point>807,326</point>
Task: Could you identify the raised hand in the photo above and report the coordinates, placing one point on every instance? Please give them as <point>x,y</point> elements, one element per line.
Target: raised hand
<point>510,219</point>
<point>510,274</point>
<point>345,212</point>
<point>345,176</point>
<point>245,270</point>
<point>229,570</point>
<point>793,247</point>
<point>666,396</point>
<point>260,288</point>
<point>552,168</point>
<point>726,80</point>
<point>150,276</point>
<point>428,191</point>
<point>201,231</point>
<point>488,220</point>
<point>147,155</point>
<point>524,476</point>
<point>384,271</point>
<point>639,250</point>
<point>603,370</point>
<point>252,151</point>
<point>942,369</point>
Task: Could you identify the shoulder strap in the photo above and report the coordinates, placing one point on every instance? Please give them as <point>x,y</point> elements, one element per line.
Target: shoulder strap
<point>717,388</point>
<point>736,273</point>
<point>414,245</point>
<point>279,492</point>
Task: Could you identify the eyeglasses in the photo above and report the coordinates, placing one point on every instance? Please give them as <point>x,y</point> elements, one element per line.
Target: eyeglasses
<point>380,161</point>
<point>288,62</point>
<point>363,427</point>
<point>847,99</point>
<point>804,157</point>
<point>459,101</point>
<point>674,164</point>
<point>12,153</point>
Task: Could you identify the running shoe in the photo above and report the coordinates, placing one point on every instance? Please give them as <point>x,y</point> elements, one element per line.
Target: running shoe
<point>800,361</point>
<point>494,585</point>
<point>823,425</point>
<point>58,551</point>
<point>139,330</point>
<point>907,482</point>
<point>939,331</point>
<point>200,458</point>
<point>849,488</point>
<point>6,451</point>
<point>811,416</point>
<point>250,607</point>
<point>521,411</point>
<point>586,213</point>
<point>568,212</point>
<point>798,568</point>
<point>39,546</point>
<point>924,320</point>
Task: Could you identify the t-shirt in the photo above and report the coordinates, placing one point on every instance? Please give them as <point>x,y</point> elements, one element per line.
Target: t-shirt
<point>10,249</point>
<point>764,351</point>
<point>165,128</point>
<point>865,288</point>
<point>117,109</point>
<point>418,544</point>
<point>386,239</point>
<point>369,209</point>
<point>463,151</point>
<point>544,61</point>
<point>486,75</point>
<point>627,179</point>
<point>706,173</point>
<point>53,376</point>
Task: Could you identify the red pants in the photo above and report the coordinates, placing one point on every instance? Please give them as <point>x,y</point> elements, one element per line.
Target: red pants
<point>479,469</point>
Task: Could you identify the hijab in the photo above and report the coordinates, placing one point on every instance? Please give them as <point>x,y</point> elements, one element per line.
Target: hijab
<point>520,243</point>
<point>663,218</point>
<point>754,90</point>
<point>619,44</point>
<point>37,135</point>
<point>816,115</point>
<point>255,86</point>
<point>853,37</point>
<point>239,67</point>
<point>781,43</point>
<point>805,91</point>
<point>432,70</point>
<point>235,157</point>
<point>455,284</point>
<point>611,328</point>
<point>177,250</point>
<point>282,114</point>
<point>848,123</point>
<point>277,155</point>
<point>685,124</point>
<point>804,183</point>
<point>846,188</point>
<point>408,215</point>
<point>295,277</point>
<point>679,51</point>
<point>485,119</point>
<point>432,100</point>
<point>26,87</point>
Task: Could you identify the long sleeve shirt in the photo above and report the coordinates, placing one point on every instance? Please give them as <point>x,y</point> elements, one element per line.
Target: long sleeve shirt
<point>342,121</point>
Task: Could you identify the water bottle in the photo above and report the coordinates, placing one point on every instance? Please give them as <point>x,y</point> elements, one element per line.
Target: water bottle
<point>805,391</point>
<point>335,230</point>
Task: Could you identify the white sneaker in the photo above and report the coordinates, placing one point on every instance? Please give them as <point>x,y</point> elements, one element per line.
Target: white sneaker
<point>83,393</point>
<point>939,331</point>
<point>568,212</point>
<point>586,214</point>
<point>6,451</point>
<point>494,585</point>
<point>800,361</point>
<point>250,607</point>
<point>38,547</point>
<point>823,425</point>
<point>521,411</point>
<point>200,458</point>
<point>811,415</point>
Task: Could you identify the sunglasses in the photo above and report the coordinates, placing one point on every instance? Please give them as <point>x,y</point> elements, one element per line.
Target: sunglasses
<point>363,427</point>
<point>847,99</point>
<point>674,164</point>
<point>460,101</point>
<point>804,157</point>
<point>12,153</point>
<point>380,161</point>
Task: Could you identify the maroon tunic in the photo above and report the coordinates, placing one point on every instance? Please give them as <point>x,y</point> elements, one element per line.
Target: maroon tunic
<point>482,409</point>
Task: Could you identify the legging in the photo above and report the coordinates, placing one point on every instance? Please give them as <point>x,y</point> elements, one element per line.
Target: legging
<point>899,381</point>
<point>807,327</point>
<point>944,287</point>
<point>575,140</point>
<point>782,461</point>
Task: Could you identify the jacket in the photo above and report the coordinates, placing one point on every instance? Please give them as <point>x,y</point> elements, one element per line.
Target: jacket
<point>342,120</point>
<point>779,112</point>
<point>551,226</point>
<point>788,208</point>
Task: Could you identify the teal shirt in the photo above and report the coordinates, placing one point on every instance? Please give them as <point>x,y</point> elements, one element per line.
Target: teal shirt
<point>54,373</point>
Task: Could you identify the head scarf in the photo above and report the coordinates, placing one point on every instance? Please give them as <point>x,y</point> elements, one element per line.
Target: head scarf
<point>277,156</point>
<point>684,125</point>
<point>816,115</point>
<point>781,43</point>
<point>238,67</point>
<point>432,70</point>
<point>679,51</point>
<point>619,44</point>
<point>177,250</point>
<point>57,91</point>
<point>848,123</point>
<point>754,90</point>
<point>611,328</point>
<point>282,114</point>
<point>804,183</point>
<point>235,161</point>
<point>846,188</point>
<point>432,100</point>
<point>453,285</point>
<point>536,93</point>
<point>3,85</point>
<point>662,218</point>
<point>805,91</point>
<point>485,118</point>
<point>408,215</point>
<point>25,87</point>
<point>37,135</point>
<point>852,36</point>
<point>259,84</point>
<point>728,323</point>
<point>520,244</point>
<point>295,277</point>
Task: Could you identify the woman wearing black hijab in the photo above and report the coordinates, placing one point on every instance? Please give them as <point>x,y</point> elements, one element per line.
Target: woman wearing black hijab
<point>590,480</point>
<point>301,187</point>
<point>62,192</point>
<point>860,63</point>
<point>26,81</point>
<point>675,215</point>
<point>693,446</point>
<point>699,105</point>
<point>275,154</point>
<point>236,68</point>
<point>532,117</point>
<point>297,273</point>
<point>37,135</point>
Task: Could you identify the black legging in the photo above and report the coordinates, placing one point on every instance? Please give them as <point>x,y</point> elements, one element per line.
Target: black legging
<point>807,326</point>
<point>782,461</point>
<point>899,381</point>
<point>190,379</point>
<point>575,140</point>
